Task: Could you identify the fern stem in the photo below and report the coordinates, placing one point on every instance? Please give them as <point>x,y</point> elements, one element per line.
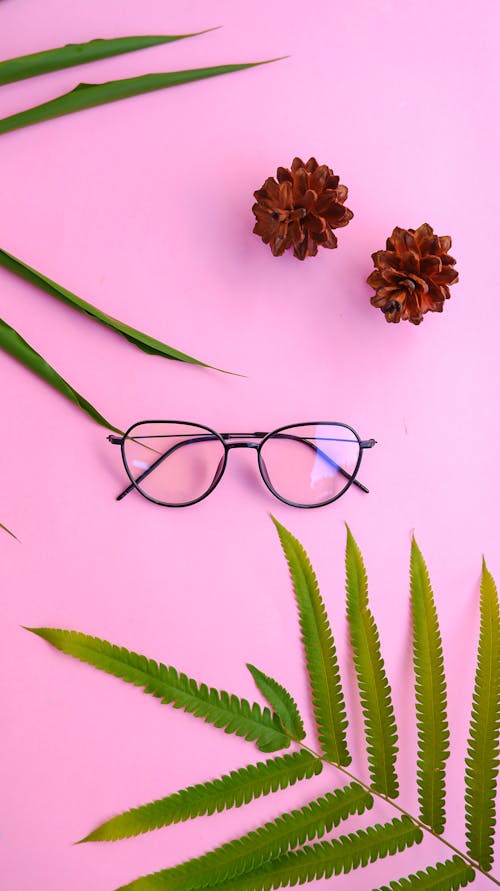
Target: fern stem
<point>401,810</point>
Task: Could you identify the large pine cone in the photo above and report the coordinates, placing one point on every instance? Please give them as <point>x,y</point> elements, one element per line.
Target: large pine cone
<point>413,274</point>
<point>301,209</point>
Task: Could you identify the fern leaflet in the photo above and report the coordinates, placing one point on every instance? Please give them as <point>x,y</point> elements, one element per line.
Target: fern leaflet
<point>281,701</point>
<point>242,855</point>
<point>430,696</point>
<point>231,790</point>
<point>321,656</point>
<point>216,707</point>
<point>481,763</point>
<point>327,858</point>
<point>447,876</point>
<point>374,689</point>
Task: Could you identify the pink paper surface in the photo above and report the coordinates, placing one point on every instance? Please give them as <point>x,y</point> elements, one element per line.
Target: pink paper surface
<point>144,208</point>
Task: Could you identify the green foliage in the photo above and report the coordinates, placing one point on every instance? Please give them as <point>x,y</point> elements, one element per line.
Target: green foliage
<point>374,689</point>
<point>90,95</point>
<point>248,853</point>
<point>8,531</point>
<point>13,344</point>
<point>324,859</point>
<point>481,763</point>
<point>447,876</point>
<point>321,655</point>
<point>12,70</point>
<point>231,790</point>
<point>276,855</point>
<point>142,341</point>
<point>281,701</point>
<point>219,708</point>
<point>430,696</point>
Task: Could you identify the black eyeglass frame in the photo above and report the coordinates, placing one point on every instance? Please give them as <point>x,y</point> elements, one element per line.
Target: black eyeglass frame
<point>263,437</point>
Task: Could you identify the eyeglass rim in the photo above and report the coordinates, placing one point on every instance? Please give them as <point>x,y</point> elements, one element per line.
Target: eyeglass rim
<point>184,424</point>
<point>311,424</point>
<point>258,449</point>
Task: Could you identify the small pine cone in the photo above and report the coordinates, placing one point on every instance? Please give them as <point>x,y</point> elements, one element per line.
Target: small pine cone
<point>301,209</point>
<point>413,274</point>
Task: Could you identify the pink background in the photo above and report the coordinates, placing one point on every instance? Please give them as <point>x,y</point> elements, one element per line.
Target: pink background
<point>143,207</point>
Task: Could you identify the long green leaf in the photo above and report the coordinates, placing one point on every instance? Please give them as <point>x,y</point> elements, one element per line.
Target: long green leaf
<point>13,344</point>
<point>78,54</point>
<point>430,696</point>
<point>481,763</point>
<point>245,854</point>
<point>321,655</point>
<point>281,701</point>
<point>447,876</point>
<point>374,689</point>
<point>89,95</point>
<point>5,529</point>
<point>216,707</point>
<point>327,858</point>
<point>144,342</point>
<point>231,790</point>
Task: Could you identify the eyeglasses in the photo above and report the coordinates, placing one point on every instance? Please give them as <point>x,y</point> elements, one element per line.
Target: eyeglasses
<point>175,463</point>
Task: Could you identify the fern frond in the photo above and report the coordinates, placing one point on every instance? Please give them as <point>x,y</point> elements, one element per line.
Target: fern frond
<point>321,656</point>
<point>216,707</point>
<point>481,763</point>
<point>447,876</point>
<point>242,855</point>
<point>281,701</point>
<point>231,790</point>
<point>430,696</point>
<point>374,689</point>
<point>327,858</point>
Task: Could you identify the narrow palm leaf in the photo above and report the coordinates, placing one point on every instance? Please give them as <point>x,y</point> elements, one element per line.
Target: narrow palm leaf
<point>321,655</point>
<point>281,701</point>
<point>327,858</point>
<point>90,95</point>
<point>231,790</point>
<point>5,529</point>
<point>144,342</point>
<point>374,689</point>
<point>447,876</point>
<point>216,707</point>
<point>13,344</point>
<point>78,54</point>
<point>481,763</point>
<point>430,696</point>
<point>242,855</point>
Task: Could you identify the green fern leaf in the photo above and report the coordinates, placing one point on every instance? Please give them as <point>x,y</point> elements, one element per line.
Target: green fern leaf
<point>321,656</point>
<point>447,876</point>
<point>242,855</point>
<point>327,858</point>
<point>216,707</point>
<point>430,697</point>
<point>231,790</point>
<point>281,701</point>
<point>481,763</point>
<point>374,689</point>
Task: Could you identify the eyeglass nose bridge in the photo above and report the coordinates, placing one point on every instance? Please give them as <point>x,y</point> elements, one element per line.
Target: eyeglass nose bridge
<point>241,445</point>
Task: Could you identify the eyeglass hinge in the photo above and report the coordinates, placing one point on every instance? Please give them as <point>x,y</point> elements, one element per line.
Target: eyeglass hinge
<point>368,443</point>
<point>115,440</point>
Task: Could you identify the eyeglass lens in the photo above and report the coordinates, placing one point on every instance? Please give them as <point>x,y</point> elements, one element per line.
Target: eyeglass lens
<point>173,463</point>
<point>310,464</point>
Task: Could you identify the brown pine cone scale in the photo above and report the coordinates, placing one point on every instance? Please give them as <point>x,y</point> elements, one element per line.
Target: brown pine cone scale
<point>300,209</point>
<point>412,276</point>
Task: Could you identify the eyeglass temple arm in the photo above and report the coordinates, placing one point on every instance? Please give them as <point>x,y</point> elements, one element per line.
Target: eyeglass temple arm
<point>117,440</point>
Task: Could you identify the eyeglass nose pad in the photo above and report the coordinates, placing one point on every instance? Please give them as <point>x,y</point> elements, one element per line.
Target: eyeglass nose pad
<point>264,472</point>
<point>218,472</point>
